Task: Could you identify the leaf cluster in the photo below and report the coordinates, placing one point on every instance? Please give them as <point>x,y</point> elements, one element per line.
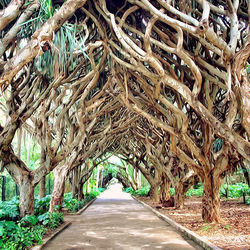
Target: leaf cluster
<point>28,231</point>
<point>9,210</point>
<point>92,195</point>
<point>140,192</point>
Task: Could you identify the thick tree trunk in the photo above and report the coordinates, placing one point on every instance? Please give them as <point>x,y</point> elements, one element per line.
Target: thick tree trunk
<point>179,196</point>
<point>60,174</point>
<point>164,189</point>
<point>24,179</point>
<point>75,183</point>
<point>211,198</point>
<point>80,191</point>
<point>26,190</point>
<point>153,192</point>
<point>42,187</point>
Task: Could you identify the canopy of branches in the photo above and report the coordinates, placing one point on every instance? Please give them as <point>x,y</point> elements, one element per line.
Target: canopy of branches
<point>162,83</point>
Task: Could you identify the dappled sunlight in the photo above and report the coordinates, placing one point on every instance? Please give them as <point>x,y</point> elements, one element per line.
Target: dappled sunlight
<point>116,221</point>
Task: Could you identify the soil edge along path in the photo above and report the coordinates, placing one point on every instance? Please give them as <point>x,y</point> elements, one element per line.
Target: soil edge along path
<point>116,221</point>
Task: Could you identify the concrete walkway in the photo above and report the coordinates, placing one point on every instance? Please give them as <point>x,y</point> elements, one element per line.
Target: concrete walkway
<point>116,221</point>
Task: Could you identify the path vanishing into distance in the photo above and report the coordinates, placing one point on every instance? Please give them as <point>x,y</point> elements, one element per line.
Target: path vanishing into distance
<point>116,221</point>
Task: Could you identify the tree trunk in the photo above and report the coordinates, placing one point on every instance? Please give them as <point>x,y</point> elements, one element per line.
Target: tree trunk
<point>135,178</point>
<point>42,187</point>
<point>17,190</point>
<point>130,179</point>
<point>101,178</point>
<point>3,187</point>
<point>80,191</point>
<point>97,177</point>
<point>75,183</point>
<point>164,188</point>
<point>179,196</point>
<point>26,190</point>
<point>60,174</point>
<point>211,198</point>
<point>49,184</point>
<point>153,192</point>
<point>139,179</point>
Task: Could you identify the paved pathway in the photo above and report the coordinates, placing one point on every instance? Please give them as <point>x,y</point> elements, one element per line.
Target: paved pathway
<point>116,221</point>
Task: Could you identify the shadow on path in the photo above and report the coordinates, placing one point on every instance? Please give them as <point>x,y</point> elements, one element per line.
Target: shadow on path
<point>116,221</point>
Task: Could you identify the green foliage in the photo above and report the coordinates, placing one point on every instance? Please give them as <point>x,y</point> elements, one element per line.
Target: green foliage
<point>248,69</point>
<point>236,191</point>
<point>129,190</point>
<point>77,206</point>
<point>206,227</point>
<point>28,220</point>
<point>92,195</point>
<point>227,227</point>
<point>29,230</point>
<point>42,205</point>
<point>4,3</point>
<point>172,191</point>
<point>66,40</point>
<point>51,220</point>
<point>9,210</point>
<point>14,236</point>
<point>195,192</point>
<point>140,192</point>
<point>73,205</point>
<point>100,189</point>
<point>217,145</point>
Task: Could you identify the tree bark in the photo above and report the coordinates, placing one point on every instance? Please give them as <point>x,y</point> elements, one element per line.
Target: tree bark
<point>26,196</point>
<point>153,192</point>
<point>179,196</point>
<point>75,183</point>
<point>42,187</point>
<point>211,198</point>
<point>164,188</point>
<point>60,174</point>
<point>80,192</point>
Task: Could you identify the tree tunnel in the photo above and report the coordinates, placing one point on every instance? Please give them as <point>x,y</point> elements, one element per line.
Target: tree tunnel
<point>162,84</point>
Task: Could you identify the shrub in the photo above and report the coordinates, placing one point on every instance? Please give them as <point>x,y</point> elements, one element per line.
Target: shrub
<point>195,192</point>
<point>9,210</point>
<point>15,236</point>
<point>235,190</point>
<point>129,190</point>
<point>69,202</point>
<point>92,195</point>
<point>100,189</point>
<point>77,206</point>
<point>29,220</point>
<point>140,192</point>
<point>42,205</point>
<point>51,220</point>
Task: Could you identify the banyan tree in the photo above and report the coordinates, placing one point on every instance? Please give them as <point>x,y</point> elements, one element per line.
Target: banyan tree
<point>162,83</point>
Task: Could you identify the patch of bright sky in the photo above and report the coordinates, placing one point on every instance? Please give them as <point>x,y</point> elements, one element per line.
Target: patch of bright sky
<point>115,160</point>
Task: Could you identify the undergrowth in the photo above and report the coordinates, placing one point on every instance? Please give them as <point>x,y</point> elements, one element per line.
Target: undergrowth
<point>17,233</point>
<point>233,191</point>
